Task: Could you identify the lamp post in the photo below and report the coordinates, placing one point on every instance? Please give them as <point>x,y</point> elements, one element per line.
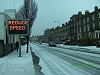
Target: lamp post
<point>58,36</point>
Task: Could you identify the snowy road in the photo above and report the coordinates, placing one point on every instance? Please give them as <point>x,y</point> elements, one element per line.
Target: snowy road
<point>60,61</point>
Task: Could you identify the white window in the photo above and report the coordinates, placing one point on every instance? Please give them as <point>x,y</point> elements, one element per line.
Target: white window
<point>80,22</point>
<point>84,20</point>
<point>77,23</point>
<point>99,24</point>
<point>89,35</point>
<point>71,19</point>
<point>77,30</point>
<point>93,25</point>
<point>74,24</point>
<point>79,36</point>
<point>99,14</point>
<point>88,28</point>
<point>87,19</point>
<point>84,29</point>
<point>80,29</point>
<point>93,17</point>
<point>74,30</point>
<point>99,34</point>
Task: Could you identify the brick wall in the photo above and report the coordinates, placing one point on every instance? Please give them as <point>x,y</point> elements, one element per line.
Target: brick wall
<point>5,49</point>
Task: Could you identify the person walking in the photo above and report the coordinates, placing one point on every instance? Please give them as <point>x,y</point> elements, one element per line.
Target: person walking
<point>17,45</point>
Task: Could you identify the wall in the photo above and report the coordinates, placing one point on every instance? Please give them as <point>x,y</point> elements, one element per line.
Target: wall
<point>1,48</point>
<point>7,43</point>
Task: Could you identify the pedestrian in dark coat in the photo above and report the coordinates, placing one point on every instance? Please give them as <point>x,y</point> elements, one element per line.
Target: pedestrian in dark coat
<point>17,45</point>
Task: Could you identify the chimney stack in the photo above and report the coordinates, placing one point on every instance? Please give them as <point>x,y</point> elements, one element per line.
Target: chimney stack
<point>95,8</point>
<point>86,12</point>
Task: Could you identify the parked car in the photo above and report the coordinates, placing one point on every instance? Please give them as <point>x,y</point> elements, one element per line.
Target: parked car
<point>52,44</point>
<point>68,42</point>
<point>23,42</point>
<point>98,44</point>
<point>40,42</point>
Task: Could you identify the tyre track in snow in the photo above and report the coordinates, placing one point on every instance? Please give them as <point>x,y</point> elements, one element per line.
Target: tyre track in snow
<point>64,68</point>
<point>93,70</point>
<point>78,54</point>
<point>54,69</point>
<point>81,50</point>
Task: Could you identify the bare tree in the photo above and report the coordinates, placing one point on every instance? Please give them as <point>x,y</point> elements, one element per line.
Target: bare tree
<point>28,11</point>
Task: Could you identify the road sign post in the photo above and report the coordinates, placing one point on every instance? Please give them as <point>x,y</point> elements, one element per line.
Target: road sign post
<point>19,46</point>
<point>18,27</point>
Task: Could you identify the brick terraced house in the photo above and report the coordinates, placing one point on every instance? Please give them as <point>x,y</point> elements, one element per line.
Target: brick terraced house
<point>79,26</point>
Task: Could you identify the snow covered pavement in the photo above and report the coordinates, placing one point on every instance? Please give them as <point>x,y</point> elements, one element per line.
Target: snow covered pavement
<point>12,64</point>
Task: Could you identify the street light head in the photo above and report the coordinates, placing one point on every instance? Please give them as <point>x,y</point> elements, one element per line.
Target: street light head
<point>56,21</point>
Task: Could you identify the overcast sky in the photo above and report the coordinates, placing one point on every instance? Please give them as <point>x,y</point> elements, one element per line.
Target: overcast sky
<point>52,10</point>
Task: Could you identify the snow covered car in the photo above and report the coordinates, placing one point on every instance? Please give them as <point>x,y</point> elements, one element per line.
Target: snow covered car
<point>68,42</point>
<point>52,44</point>
<point>98,44</point>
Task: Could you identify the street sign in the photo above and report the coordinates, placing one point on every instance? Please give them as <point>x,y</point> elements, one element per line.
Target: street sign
<point>18,27</point>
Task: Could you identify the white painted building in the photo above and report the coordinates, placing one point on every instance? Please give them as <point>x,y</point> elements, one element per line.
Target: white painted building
<point>2,27</point>
<point>6,41</point>
<point>2,32</point>
<point>12,14</point>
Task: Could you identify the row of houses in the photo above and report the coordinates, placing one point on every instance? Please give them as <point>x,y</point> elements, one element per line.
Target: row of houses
<point>79,26</point>
<point>7,42</point>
